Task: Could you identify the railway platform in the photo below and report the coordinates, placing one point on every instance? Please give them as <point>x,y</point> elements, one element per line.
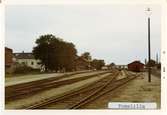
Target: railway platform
<point>30,78</point>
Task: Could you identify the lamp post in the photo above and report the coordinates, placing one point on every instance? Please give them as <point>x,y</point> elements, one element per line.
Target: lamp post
<point>148,11</point>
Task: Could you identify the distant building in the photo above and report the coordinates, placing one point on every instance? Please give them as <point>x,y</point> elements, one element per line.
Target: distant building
<point>8,60</point>
<point>121,66</point>
<point>136,66</point>
<point>112,66</point>
<point>82,63</point>
<point>106,67</point>
<point>27,59</point>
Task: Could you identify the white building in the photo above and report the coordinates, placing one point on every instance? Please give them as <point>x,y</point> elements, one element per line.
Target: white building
<point>27,59</point>
<point>121,66</point>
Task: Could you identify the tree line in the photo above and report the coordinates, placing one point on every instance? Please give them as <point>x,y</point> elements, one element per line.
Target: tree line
<point>56,54</point>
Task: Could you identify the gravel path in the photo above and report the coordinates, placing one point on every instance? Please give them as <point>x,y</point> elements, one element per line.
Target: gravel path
<point>29,78</point>
<point>121,75</point>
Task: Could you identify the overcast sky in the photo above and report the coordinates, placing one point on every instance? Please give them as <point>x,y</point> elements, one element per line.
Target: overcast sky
<point>115,33</point>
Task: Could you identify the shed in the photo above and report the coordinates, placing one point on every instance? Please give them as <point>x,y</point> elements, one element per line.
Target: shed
<point>136,66</point>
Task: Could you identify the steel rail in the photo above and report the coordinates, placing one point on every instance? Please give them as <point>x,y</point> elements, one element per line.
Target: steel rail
<point>26,91</point>
<point>57,99</point>
<point>98,94</point>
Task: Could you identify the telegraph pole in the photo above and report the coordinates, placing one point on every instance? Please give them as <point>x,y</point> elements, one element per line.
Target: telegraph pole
<point>149,47</point>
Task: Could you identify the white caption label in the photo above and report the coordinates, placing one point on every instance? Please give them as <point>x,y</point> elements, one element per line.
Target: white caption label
<point>127,105</point>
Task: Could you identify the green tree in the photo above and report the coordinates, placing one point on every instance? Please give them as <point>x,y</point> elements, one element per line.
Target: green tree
<point>159,66</point>
<point>54,53</point>
<point>86,55</point>
<point>97,64</point>
<point>152,63</point>
<point>112,64</point>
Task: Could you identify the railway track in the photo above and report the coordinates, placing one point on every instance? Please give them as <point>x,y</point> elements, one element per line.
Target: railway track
<point>104,91</point>
<point>24,90</point>
<point>51,100</point>
<point>78,99</point>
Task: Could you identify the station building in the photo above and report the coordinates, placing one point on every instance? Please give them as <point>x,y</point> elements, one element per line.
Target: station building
<point>27,59</point>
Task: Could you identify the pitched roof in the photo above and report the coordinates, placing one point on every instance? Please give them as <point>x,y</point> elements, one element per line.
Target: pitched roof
<point>9,49</point>
<point>23,55</point>
<point>136,62</point>
<point>81,58</point>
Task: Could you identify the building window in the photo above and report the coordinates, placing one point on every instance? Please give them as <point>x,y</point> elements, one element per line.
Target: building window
<point>32,63</point>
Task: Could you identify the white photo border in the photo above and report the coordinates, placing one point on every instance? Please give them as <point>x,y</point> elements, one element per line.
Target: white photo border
<point>163,4</point>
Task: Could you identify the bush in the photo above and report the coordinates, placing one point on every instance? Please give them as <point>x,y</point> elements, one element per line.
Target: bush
<point>22,69</point>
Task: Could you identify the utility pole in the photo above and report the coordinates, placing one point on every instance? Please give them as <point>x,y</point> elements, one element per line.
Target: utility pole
<point>157,58</point>
<point>149,46</point>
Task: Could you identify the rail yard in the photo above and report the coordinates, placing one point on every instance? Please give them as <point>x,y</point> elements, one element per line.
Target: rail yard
<point>83,56</point>
<point>75,90</point>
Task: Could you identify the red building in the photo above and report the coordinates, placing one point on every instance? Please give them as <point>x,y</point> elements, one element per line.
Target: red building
<point>136,66</point>
<point>8,59</point>
<point>82,64</point>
